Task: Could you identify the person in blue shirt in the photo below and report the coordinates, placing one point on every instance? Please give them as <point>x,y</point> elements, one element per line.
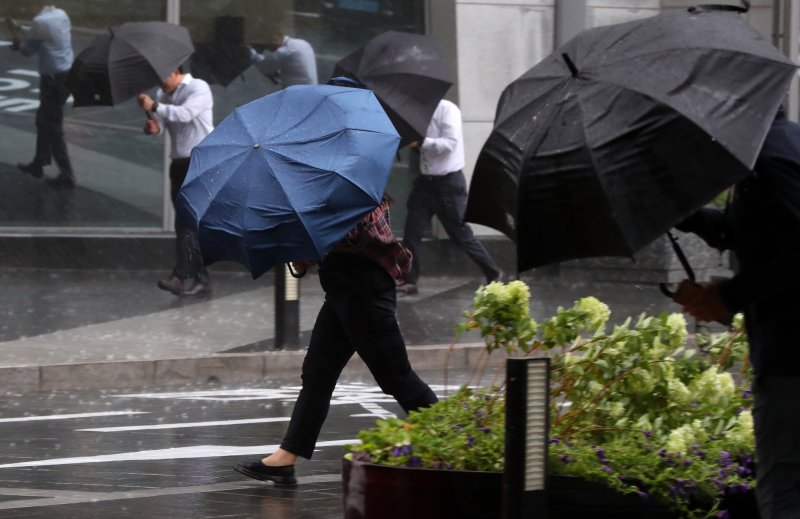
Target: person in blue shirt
<point>49,36</point>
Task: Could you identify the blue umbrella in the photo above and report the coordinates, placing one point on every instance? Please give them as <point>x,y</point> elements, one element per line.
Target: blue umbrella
<point>285,177</point>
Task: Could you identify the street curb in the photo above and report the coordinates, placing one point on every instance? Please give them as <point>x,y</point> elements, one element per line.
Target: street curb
<point>228,368</point>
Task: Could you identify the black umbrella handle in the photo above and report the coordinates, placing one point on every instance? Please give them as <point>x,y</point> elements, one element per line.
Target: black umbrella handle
<point>684,263</point>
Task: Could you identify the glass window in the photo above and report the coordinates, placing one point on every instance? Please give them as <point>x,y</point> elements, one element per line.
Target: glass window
<point>119,171</point>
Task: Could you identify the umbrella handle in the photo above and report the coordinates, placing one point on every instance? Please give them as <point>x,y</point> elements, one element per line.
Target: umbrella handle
<point>294,273</point>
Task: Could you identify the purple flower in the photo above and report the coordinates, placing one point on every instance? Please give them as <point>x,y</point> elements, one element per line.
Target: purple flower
<point>484,429</point>
<point>648,434</point>
<point>414,461</point>
<point>642,495</point>
<point>555,440</point>
<point>401,450</point>
<point>565,459</point>
<point>725,458</point>
<point>687,462</point>
<point>470,441</point>
<point>723,514</point>
<point>362,456</point>
<point>607,469</point>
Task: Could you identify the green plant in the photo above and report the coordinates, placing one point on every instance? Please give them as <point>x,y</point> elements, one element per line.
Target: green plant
<point>632,405</point>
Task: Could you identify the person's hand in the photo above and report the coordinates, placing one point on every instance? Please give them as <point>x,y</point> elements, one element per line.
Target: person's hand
<point>151,127</point>
<point>706,305</point>
<point>414,144</point>
<point>301,267</point>
<point>146,102</point>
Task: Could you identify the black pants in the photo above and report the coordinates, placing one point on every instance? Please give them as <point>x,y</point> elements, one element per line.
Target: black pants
<point>188,260</point>
<point>445,197</point>
<point>358,316</point>
<point>50,144</point>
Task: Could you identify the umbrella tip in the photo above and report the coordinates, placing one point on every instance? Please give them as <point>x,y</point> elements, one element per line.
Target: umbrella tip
<point>256,146</point>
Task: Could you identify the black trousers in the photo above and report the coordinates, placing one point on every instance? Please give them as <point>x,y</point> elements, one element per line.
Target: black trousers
<point>445,197</point>
<point>50,143</point>
<point>358,316</point>
<point>188,260</point>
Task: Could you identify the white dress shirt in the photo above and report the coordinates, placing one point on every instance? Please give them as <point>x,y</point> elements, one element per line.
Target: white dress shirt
<point>442,151</point>
<point>294,60</point>
<point>50,36</point>
<point>187,114</point>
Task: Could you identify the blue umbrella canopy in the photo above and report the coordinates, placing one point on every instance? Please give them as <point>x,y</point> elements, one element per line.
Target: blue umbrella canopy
<point>285,177</point>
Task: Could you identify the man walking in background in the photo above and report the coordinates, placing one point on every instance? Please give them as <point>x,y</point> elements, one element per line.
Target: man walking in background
<point>290,61</point>
<point>441,190</point>
<point>49,36</point>
<point>184,105</point>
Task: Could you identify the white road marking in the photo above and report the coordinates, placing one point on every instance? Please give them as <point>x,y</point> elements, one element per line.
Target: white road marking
<point>186,425</point>
<point>69,416</point>
<point>198,451</point>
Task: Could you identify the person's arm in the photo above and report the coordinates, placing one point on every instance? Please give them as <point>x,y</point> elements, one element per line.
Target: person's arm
<point>197,101</point>
<point>31,40</point>
<point>450,125</point>
<point>711,226</point>
<point>268,63</point>
<point>780,185</point>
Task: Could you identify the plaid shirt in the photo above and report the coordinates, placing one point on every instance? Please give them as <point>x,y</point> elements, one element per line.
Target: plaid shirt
<point>372,238</point>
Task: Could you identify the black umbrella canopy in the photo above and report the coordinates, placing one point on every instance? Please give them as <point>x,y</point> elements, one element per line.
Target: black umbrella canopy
<point>624,131</point>
<point>132,57</point>
<point>219,62</point>
<point>408,74</point>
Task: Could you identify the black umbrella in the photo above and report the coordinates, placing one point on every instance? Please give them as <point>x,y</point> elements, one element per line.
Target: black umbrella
<point>219,62</point>
<point>624,131</point>
<point>132,57</point>
<point>408,74</point>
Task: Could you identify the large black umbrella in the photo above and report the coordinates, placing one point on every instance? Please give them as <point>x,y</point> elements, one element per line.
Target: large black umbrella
<point>132,57</point>
<point>219,62</point>
<point>624,131</point>
<point>408,74</point>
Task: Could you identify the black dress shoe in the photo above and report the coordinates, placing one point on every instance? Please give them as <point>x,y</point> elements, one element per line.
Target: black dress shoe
<point>61,182</point>
<point>172,284</point>
<point>282,476</point>
<point>32,168</point>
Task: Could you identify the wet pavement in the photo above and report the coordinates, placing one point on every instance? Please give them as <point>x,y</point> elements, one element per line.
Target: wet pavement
<point>168,453</point>
<point>88,328</point>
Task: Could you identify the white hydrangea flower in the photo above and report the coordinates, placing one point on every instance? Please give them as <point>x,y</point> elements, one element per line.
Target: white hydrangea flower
<point>616,410</point>
<point>742,431</point>
<point>598,311</point>
<point>678,392</point>
<point>677,327</point>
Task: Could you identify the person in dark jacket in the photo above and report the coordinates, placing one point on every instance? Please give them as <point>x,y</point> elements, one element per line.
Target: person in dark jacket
<point>762,226</point>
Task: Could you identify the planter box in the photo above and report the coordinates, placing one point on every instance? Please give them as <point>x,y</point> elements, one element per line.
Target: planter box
<point>376,491</point>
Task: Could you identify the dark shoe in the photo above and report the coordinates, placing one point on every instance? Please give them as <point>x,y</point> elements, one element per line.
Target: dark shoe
<point>501,277</point>
<point>198,289</point>
<point>407,289</point>
<point>282,476</point>
<point>61,182</point>
<point>32,168</point>
<point>172,284</point>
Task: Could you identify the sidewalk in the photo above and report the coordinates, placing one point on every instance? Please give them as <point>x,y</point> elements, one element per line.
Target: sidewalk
<point>98,329</point>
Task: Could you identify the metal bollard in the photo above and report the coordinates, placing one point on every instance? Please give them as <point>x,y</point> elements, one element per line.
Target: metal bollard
<point>287,309</point>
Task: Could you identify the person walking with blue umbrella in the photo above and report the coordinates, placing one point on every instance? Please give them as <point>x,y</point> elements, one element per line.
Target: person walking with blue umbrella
<point>359,277</point>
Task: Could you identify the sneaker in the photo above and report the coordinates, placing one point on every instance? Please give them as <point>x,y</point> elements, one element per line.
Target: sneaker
<point>198,289</point>
<point>172,284</point>
<point>407,289</point>
<point>33,169</point>
<point>61,182</point>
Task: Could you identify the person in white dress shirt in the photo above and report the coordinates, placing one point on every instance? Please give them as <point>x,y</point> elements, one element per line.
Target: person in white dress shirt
<point>184,105</point>
<point>287,61</point>
<point>441,190</point>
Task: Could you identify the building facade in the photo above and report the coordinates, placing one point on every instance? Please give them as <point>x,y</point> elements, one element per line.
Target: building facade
<point>122,185</point>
